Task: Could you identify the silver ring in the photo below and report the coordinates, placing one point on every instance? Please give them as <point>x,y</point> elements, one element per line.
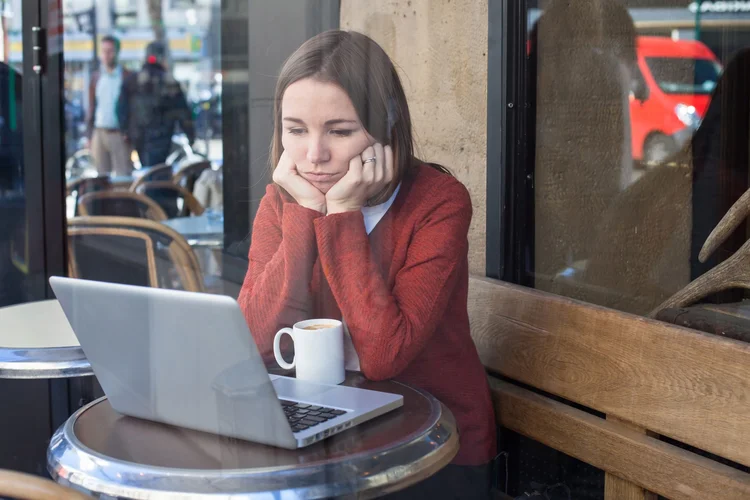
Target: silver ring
<point>370,160</point>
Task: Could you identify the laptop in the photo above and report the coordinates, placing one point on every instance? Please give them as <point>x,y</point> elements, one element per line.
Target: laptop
<point>188,359</point>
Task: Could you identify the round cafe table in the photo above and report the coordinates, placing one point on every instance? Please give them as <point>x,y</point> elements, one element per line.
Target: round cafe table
<point>200,230</point>
<point>205,233</point>
<point>36,342</point>
<point>110,455</point>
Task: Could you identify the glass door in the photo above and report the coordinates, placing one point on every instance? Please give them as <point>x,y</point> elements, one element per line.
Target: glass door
<point>27,232</point>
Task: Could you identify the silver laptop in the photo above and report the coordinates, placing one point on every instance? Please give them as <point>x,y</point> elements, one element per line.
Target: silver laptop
<point>188,359</point>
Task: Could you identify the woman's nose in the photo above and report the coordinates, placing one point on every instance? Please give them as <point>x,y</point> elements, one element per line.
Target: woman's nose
<point>317,151</point>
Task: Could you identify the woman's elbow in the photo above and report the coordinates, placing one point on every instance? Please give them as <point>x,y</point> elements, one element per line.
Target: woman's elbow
<point>379,370</point>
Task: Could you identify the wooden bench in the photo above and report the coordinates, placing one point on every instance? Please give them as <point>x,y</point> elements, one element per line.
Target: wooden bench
<point>649,377</point>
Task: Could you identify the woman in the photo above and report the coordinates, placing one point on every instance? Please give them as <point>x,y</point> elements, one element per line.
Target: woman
<point>356,227</point>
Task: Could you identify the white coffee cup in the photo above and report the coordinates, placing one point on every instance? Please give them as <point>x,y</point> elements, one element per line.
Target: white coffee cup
<point>318,353</point>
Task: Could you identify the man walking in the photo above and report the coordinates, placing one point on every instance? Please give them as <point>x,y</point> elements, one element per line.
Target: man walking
<point>151,105</point>
<point>109,148</point>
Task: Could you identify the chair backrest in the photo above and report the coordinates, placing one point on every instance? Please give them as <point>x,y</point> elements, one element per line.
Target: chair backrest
<point>648,377</point>
<point>131,251</point>
<point>85,185</point>
<point>159,172</point>
<point>27,487</point>
<point>120,204</point>
<point>176,201</point>
<point>188,173</point>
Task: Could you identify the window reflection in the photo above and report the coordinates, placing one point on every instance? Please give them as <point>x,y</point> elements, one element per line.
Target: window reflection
<point>685,75</point>
<point>144,139</point>
<point>621,204</point>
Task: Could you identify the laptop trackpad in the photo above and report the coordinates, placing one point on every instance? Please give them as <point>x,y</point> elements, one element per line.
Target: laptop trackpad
<point>293,389</point>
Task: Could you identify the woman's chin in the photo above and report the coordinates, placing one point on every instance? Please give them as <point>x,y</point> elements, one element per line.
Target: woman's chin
<point>323,187</point>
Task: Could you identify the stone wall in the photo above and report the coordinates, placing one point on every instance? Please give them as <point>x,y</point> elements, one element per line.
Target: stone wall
<point>440,49</point>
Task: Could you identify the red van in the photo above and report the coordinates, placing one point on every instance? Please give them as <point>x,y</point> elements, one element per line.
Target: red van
<point>680,76</point>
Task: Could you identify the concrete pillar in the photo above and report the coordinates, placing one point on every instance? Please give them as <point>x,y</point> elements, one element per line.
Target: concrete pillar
<point>440,49</point>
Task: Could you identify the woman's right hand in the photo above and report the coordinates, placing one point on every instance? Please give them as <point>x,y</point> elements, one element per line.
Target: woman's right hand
<point>307,195</point>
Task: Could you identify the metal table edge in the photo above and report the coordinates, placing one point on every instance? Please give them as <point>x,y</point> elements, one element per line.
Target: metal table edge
<point>40,363</point>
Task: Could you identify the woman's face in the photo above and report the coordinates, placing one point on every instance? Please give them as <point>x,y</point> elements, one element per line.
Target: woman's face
<point>321,131</point>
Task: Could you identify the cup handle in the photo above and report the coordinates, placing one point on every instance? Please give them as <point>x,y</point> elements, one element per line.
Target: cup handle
<point>277,349</point>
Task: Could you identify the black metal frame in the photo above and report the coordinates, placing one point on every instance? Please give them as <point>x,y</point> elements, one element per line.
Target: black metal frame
<point>497,197</point>
<point>510,113</point>
<point>235,97</point>
<point>33,159</point>
<point>43,121</point>
<point>53,159</point>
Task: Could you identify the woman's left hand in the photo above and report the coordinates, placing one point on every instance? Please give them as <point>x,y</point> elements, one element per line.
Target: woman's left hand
<point>368,174</point>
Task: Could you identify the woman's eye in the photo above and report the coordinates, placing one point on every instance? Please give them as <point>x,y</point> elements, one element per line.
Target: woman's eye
<point>341,132</point>
<point>296,131</point>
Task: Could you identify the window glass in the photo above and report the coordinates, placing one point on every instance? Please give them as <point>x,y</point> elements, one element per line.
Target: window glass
<point>630,175</point>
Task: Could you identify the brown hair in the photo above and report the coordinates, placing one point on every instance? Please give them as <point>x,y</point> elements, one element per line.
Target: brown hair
<point>357,64</point>
<point>113,40</point>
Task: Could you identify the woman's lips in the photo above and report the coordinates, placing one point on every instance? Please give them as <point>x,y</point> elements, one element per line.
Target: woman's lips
<point>319,177</point>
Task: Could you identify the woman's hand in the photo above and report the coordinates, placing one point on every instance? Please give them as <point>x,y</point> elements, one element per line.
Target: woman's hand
<point>285,175</point>
<point>364,180</point>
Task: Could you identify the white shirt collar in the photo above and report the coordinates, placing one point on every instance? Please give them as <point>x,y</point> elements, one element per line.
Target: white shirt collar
<point>374,214</point>
<point>115,73</point>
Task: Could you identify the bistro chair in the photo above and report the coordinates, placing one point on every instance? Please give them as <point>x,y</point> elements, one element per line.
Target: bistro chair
<point>159,172</point>
<point>120,204</point>
<point>187,174</point>
<point>27,487</point>
<point>176,201</point>
<point>84,185</point>
<point>131,251</point>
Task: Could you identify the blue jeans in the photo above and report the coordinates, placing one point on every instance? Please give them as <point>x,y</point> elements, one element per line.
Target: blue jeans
<point>151,157</point>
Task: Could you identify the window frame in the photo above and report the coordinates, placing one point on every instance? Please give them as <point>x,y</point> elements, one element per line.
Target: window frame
<point>509,186</point>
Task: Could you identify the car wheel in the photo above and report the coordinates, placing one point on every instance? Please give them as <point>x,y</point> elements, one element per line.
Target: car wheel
<point>658,148</point>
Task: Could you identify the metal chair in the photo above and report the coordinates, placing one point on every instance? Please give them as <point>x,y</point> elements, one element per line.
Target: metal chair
<point>176,201</point>
<point>160,172</point>
<point>85,185</point>
<point>188,173</point>
<point>131,251</point>
<point>120,204</point>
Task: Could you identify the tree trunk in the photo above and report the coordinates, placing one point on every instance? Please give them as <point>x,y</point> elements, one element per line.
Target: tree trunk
<point>157,21</point>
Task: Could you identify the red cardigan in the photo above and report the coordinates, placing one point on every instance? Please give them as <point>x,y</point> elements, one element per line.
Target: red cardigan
<point>402,291</point>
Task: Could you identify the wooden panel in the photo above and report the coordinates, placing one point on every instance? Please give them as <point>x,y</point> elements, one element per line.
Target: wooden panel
<point>688,385</point>
<point>633,456</point>
<point>616,488</point>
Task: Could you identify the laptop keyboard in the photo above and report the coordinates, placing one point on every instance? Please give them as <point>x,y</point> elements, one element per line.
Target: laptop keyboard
<point>302,416</point>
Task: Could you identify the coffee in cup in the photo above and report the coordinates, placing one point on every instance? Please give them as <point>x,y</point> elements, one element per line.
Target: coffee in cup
<point>319,326</point>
